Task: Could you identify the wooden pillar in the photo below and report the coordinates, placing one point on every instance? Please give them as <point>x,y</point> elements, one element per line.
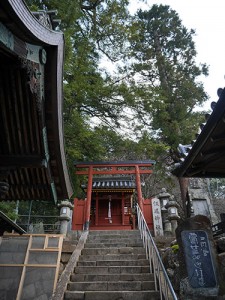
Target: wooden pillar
<point>123,203</point>
<point>89,192</point>
<point>138,184</point>
<point>96,209</point>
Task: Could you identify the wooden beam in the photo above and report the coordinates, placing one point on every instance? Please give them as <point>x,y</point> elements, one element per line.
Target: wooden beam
<point>125,165</point>
<point>22,278</point>
<point>30,265</point>
<point>58,262</point>
<point>205,165</point>
<point>130,191</point>
<point>22,160</point>
<point>113,172</point>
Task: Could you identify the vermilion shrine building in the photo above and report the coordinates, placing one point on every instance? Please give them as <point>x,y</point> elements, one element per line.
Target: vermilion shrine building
<point>109,195</point>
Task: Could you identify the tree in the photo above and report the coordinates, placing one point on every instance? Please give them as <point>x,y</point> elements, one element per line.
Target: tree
<point>156,83</point>
<point>92,30</point>
<point>163,55</point>
<point>34,212</point>
<point>164,60</point>
<point>9,208</point>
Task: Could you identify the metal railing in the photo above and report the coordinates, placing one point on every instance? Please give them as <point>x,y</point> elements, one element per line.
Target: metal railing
<point>162,282</point>
<point>39,223</point>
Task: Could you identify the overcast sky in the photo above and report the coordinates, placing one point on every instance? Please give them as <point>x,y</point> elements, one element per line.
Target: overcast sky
<point>208,20</point>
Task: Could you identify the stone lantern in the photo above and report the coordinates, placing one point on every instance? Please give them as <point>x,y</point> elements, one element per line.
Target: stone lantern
<point>164,199</point>
<point>173,217</point>
<point>65,216</point>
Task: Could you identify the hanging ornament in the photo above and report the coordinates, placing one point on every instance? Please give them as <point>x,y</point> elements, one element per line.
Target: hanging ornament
<point>109,211</point>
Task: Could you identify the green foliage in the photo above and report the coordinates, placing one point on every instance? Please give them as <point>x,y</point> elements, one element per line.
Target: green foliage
<point>144,106</point>
<point>9,209</point>
<point>217,188</point>
<point>34,212</point>
<point>164,58</point>
<point>175,248</point>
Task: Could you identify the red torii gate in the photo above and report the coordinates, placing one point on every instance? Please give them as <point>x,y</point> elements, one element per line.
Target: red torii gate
<point>112,168</point>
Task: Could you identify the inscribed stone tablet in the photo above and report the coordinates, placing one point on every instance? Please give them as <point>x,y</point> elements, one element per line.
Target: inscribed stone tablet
<point>198,259</point>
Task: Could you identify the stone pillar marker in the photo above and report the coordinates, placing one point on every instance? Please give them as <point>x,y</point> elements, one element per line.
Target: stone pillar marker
<point>65,215</point>
<point>197,259</point>
<point>157,218</point>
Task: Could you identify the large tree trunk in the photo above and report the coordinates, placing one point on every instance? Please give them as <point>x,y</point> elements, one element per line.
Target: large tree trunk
<point>185,204</point>
<point>160,64</point>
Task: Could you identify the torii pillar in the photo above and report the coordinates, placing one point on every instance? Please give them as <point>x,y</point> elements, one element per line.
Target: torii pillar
<point>89,193</point>
<point>138,184</point>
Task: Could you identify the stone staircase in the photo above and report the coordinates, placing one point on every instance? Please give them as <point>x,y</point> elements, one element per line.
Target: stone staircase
<point>67,249</point>
<point>112,266</point>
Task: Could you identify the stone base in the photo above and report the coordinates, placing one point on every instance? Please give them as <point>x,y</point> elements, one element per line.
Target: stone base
<point>168,233</point>
<point>189,293</point>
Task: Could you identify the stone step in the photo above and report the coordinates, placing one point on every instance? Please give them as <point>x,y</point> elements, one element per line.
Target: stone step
<point>113,245</point>
<point>103,263</point>
<point>111,286</point>
<point>112,295</point>
<point>112,257</point>
<point>69,246</point>
<point>112,277</point>
<point>113,236</point>
<point>111,270</point>
<point>112,266</point>
<point>113,226</point>
<point>113,232</point>
<point>106,251</point>
<point>114,240</point>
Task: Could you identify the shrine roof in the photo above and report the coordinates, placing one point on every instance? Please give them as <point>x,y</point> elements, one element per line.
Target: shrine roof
<point>112,183</point>
<point>32,155</point>
<point>206,156</point>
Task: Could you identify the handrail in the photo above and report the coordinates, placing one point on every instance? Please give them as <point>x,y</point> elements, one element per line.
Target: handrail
<point>162,282</point>
<point>47,228</point>
<point>51,224</point>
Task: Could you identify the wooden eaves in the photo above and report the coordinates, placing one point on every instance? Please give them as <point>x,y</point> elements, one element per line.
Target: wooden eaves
<point>32,155</point>
<point>206,158</point>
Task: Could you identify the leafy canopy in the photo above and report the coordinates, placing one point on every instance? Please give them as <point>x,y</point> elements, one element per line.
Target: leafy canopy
<point>141,107</point>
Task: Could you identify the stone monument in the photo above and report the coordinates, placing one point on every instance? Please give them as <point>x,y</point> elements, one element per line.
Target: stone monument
<point>197,259</point>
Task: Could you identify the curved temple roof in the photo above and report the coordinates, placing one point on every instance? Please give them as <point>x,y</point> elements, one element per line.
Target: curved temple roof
<point>113,183</point>
<point>32,157</point>
<point>206,158</point>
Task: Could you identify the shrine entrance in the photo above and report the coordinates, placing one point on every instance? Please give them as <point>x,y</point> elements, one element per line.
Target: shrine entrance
<point>110,212</point>
<point>109,203</point>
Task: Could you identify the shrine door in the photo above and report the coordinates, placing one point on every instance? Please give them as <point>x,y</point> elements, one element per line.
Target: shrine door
<point>113,209</point>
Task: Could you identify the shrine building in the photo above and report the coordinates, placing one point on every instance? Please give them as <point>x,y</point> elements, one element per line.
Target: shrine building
<point>110,189</point>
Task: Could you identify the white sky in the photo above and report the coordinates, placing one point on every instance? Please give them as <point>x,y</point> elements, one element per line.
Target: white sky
<point>207,18</point>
